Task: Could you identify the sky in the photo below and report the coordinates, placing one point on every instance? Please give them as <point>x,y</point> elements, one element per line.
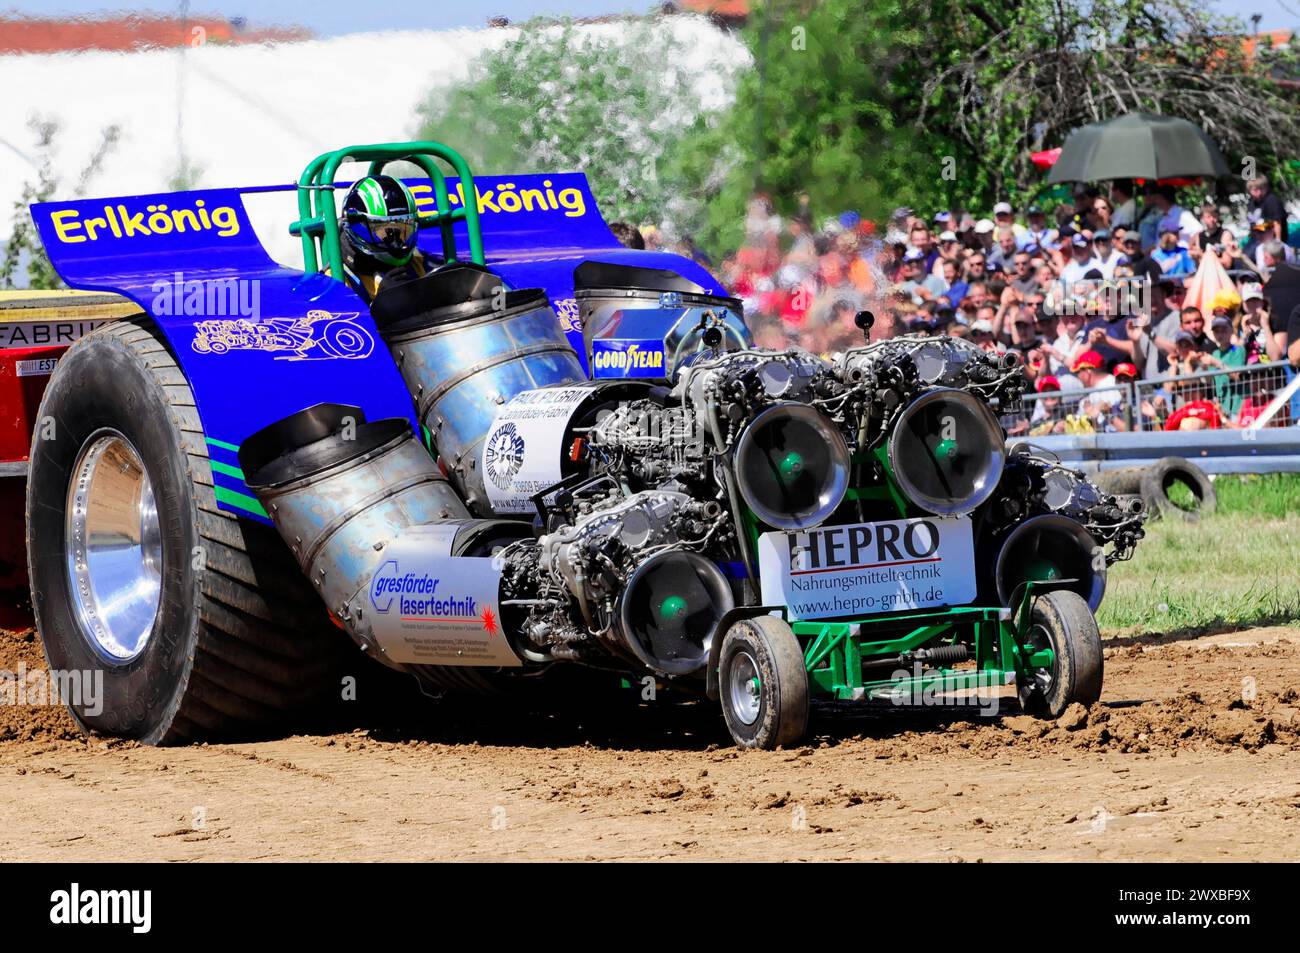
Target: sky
<point>336,17</point>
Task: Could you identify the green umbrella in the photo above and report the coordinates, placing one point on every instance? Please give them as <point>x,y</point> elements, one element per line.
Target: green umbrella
<point>1138,146</point>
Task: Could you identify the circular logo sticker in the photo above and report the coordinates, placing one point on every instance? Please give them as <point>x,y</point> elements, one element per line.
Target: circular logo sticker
<point>503,455</point>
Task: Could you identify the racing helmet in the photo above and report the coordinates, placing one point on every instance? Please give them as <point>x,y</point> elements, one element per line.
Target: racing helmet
<point>380,219</point>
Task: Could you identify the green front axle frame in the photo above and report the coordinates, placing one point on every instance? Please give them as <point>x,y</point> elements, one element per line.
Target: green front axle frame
<point>838,654</point>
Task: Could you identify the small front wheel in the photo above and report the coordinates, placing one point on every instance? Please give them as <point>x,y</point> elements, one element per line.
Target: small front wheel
<point>1061,621</point>
<point>763,683</point>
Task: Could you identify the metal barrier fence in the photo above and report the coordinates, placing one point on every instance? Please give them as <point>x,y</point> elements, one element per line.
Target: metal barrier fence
<point>1239,393</point>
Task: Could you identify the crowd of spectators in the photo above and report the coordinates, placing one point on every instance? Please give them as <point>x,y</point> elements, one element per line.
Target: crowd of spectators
<point>1090,298</point>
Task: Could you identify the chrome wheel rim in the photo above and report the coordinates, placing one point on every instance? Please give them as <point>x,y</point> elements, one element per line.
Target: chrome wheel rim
<point>114,547</point>
<point>1040,680</point>
<point>746,688</point>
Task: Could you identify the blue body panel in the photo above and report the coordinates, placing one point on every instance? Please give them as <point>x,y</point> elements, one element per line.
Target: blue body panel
<point>274,340</point>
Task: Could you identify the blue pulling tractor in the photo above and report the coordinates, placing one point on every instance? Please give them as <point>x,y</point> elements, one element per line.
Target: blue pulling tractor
<point>548,450</point>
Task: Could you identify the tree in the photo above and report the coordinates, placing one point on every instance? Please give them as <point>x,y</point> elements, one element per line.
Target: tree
<point>871,104</point>
<point>615,105</point>
<point>23,238</point>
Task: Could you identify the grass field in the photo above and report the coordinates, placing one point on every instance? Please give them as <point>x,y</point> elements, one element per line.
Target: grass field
<point>1237,568</point>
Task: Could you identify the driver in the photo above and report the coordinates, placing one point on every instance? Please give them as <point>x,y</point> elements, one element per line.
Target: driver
<point>378,232</point>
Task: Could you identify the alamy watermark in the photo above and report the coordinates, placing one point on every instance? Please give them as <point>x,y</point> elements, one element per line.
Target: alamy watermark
<point>179,296</point>
<point>83,689</point>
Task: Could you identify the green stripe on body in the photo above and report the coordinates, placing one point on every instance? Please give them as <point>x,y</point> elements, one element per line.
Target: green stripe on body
<point>233,448</point>
<point>227,469</point>
<point>240,501</point>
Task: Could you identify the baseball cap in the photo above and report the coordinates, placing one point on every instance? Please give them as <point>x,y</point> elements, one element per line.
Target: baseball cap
<point>948,236</point>
<point>982,327</point>
<point>1169,228</point>
<point>1048,382</point>
<point>1034,210</point>
<point>1089,359</point>
<point>1101,234</point>
<point>1002,208</point>
<point>1080,241</point>
<point>1126,370</point>
<point>942,217</point>
<point>984,226</point>
<point>913,254</point>
<point>1182,336</point>
<point>1250,291</point>
<point>1220,322</point>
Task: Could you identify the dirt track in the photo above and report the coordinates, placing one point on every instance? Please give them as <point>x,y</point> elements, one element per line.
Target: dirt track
<point>1173,765</point>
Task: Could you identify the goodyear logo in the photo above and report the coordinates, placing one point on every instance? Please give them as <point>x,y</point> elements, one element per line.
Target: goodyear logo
<point>130,221</point>
<point>627,358</point>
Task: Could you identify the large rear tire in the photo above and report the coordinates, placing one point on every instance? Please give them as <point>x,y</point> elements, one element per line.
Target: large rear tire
<point>238,641</point>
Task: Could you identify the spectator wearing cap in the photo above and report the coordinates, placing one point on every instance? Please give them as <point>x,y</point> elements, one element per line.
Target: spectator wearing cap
<point>1082,260</point>
<point>1049,414</point>
<point>1004,217</point>
<point>1089,369</point>
<point>1140,264</point>
<point>1227,387</point>
<point>1172,259</point>
<point>1039,231</point>
<point>1121,197</point>
<point>1125,374</point>
<point>949,250</point>
<point>917,284</point>
<point>984,229</point>
<point>982,335</point>
<point>1106,253</point>
<point>1255,329</point>
<point>1023,336</point>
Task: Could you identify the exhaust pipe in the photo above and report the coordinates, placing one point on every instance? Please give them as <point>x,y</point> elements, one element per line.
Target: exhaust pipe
<point>339,490</point>
<point>464,347</point>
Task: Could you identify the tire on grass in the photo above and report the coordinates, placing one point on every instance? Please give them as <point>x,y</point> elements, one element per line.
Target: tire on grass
<point>1164,475</point>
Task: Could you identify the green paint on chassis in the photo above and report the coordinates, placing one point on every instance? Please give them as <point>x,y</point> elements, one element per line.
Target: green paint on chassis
<point>838,654</point>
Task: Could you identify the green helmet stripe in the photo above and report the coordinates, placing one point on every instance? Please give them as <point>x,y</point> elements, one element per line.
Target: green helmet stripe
<point>373,195</point>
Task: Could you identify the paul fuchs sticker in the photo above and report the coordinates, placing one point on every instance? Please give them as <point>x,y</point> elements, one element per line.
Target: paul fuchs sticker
<point>869,568</point>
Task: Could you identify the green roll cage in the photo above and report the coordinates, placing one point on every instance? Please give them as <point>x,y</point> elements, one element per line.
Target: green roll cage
<point>317,222</point>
